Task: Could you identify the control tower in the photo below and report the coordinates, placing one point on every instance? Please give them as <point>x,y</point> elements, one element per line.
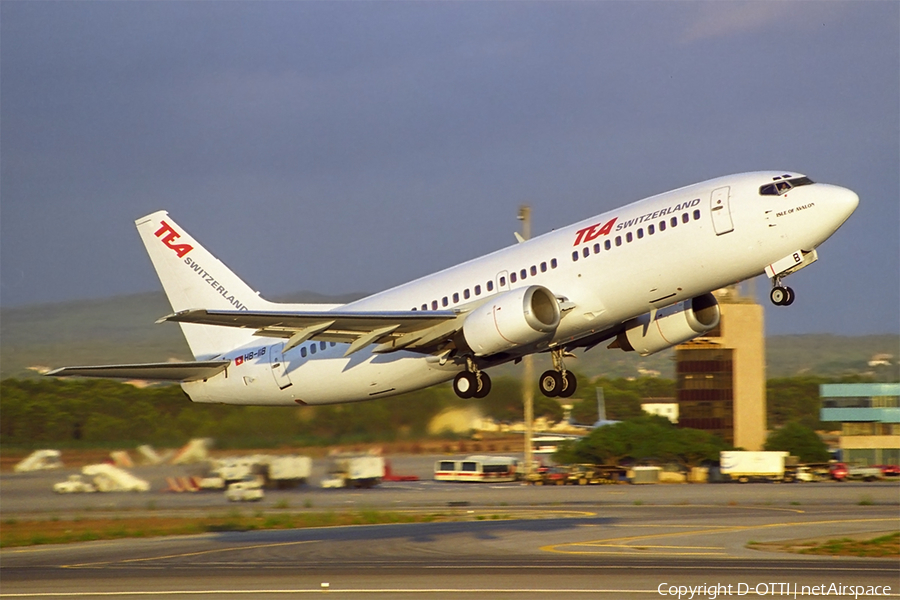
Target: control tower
<point>721,385</point>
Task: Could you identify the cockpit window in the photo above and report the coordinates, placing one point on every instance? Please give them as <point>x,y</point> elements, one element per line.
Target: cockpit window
<point>783,185</point>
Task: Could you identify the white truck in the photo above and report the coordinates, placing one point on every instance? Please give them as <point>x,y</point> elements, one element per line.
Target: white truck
<point>744,466</point>
<point>278,471</point>
<point>249,490</point>
<point>355,471</point>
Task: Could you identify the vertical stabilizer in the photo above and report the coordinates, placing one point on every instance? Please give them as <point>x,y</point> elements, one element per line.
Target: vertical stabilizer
<point>194,278</point>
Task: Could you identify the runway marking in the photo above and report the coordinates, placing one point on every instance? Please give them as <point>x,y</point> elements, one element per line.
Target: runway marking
<point>184,554</point>
<point>623,542</point>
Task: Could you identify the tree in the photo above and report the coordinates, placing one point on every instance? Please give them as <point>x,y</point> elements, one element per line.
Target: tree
<point>800,441</point>
<point>648,437</point>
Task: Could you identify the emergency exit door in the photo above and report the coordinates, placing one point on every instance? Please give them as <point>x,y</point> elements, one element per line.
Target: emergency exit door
<point>276,360</point>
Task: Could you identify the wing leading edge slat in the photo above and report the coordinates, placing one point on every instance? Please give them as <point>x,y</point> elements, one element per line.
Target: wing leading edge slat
<point>393,330</point>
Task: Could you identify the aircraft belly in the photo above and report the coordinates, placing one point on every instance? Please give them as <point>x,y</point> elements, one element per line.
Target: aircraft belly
<point>349,379</point>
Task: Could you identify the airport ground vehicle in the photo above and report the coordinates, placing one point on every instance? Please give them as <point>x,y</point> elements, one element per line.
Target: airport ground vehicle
<point>74,485</point>
<point>744,466</point>
<point>557,475</point>
<point>277,471</point>
<point>477,468</point>
<point>864,473</point>
<point>355,471</point>
<point>249,490</point>
<point>594,474</point>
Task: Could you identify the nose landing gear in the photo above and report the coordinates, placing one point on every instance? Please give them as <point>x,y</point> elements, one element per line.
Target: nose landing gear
<point>781,296</point>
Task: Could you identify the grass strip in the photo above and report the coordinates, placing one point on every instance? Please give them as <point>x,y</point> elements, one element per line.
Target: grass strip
<point>16,533</point>
<point>886,546</point>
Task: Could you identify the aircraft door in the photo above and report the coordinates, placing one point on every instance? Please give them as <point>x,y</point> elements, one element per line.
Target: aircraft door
<point>720,210</point>
<point>276,361</point>
<point>502,281</point>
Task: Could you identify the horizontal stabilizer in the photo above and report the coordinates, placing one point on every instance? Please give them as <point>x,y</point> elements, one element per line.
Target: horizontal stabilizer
<point>167,371</point>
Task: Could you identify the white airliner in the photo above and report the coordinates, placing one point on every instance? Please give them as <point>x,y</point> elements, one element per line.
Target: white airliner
<point>640,275</point>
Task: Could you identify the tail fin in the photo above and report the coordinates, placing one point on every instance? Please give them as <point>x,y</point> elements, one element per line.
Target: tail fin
<point>194,278</point>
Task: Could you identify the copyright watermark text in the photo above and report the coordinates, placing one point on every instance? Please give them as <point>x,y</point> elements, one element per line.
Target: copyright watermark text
<point>717,590</point>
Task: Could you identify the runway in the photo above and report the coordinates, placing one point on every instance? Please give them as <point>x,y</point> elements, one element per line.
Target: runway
<point>622,551</point>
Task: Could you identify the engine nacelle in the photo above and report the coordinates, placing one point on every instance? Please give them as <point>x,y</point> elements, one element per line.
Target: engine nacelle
<point>673,325</point>
<point>518,317</point>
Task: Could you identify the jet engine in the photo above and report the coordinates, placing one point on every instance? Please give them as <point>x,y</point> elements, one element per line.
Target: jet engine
<point>672,325</point>
<point>518,317</point>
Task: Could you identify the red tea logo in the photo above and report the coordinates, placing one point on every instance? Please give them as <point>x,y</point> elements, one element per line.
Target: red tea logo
<point>169,240</point>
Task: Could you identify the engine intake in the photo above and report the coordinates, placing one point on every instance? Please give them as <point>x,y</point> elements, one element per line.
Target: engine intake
<point>515,318</point>
<point>673,325</point>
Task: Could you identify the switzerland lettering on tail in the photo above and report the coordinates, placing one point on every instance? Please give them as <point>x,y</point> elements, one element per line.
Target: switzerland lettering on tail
<point>193,278</point>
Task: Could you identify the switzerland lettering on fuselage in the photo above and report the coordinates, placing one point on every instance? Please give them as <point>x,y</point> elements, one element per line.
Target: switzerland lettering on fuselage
<point>587,234</point>
<point>682,206</point>
<point>169,237</point>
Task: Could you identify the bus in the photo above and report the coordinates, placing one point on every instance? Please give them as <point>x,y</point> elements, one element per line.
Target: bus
<point>477,468</point>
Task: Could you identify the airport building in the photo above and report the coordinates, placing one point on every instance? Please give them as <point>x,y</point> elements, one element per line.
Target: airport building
<point>721,385</point>
<point>869,414</point>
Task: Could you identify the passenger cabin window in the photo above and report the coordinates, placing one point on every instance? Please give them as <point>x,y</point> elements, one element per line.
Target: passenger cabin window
<point>512,277</point>
<point>303,351</point>
<point>322,345</point>
<point>651,229</point>
<point>673,221</point>
<point>312,349</point>
<point>477,290</point>
<point>575,256</point>
<point>444,301</point>
<point>696,215</point>
<point>586,252</point>
<point>607,244</point>
<point>455,297</point>
<point>490,286</point>
<point>552,263</point>
<point>424,307</point>
<point>466,293</point>
<point>502,281</point>
<point>533,270</point>
<point>434,305</point>
<point>629,237</point>
<point>685,218</point>
<point>543,267</point>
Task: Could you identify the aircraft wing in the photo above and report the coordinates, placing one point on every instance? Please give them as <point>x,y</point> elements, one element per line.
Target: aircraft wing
<point>392,330</point>
<point>167,371</point>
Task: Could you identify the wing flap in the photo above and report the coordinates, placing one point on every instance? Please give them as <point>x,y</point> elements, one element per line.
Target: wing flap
<point>168,371</point>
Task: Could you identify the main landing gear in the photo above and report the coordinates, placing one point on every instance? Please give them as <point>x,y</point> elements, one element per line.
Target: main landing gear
<point>558,382</point>
<point>472,383</point>
<point>781,295</point>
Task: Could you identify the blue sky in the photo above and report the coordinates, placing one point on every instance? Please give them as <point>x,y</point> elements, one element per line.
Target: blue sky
<point>349,146</point>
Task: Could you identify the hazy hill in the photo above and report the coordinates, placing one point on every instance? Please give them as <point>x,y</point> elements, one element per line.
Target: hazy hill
<point>123,329</point>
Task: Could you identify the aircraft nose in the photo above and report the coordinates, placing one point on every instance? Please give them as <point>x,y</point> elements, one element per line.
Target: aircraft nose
<point>841,203</point>
<point>845,202</point>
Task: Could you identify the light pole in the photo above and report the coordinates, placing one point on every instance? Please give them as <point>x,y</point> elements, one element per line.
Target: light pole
<point>527,360</point>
